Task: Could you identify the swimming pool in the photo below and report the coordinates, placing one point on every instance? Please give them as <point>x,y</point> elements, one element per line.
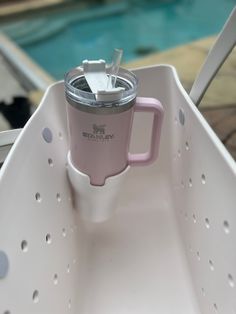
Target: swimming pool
<point>61,41</point>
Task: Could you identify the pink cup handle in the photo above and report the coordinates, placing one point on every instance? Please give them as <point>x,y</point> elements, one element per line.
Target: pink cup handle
<point>149,105</point>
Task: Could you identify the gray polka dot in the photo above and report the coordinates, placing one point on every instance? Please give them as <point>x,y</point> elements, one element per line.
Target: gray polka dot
<point>47,135</point>
<point>181,117</point>
<point>4,265</point>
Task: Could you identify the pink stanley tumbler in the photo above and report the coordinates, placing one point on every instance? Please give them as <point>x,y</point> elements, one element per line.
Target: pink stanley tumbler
<point>100,121</point>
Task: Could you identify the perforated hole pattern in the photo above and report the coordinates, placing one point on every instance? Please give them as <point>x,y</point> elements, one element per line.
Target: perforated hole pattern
<point>54,238</point>
<point>208,235</point>
<point>206,218</point>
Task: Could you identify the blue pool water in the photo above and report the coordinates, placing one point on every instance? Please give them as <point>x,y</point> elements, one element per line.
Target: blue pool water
<point>59,42</point>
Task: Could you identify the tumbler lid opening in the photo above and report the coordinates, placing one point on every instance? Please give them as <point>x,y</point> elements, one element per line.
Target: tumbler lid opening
<point>103,85</point>
<point>95,85</point>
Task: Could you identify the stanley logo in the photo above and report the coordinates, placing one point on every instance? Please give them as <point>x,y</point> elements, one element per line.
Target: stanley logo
<point>98,134</point>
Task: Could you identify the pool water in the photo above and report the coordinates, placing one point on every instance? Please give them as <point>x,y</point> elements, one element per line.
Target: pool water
<point>59,42</point>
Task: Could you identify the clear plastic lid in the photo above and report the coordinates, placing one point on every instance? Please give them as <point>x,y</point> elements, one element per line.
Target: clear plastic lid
<point>78,91</point>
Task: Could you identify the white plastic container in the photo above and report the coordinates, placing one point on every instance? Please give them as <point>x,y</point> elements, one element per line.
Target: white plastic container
<point>170,247</point>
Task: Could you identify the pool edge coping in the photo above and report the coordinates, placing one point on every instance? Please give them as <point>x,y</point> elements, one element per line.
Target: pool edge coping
<point>22,62</point>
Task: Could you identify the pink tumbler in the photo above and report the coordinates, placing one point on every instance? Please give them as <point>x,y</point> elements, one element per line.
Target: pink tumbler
<point>100,125</point>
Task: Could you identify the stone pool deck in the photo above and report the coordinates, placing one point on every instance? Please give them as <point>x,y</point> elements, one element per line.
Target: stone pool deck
<point>218,106</point>
<point>11,9</point>
<point>219,103</point>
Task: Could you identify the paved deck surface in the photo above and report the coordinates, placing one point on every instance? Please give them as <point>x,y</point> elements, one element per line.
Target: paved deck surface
<point>13,8</point>
<point>219,103</point>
